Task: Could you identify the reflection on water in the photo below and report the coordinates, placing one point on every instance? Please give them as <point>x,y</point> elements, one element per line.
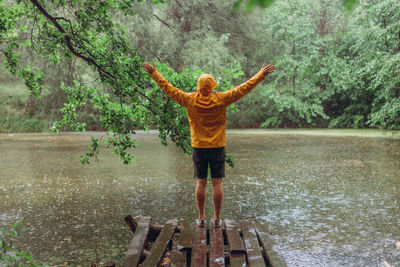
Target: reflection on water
<point>330,201</point>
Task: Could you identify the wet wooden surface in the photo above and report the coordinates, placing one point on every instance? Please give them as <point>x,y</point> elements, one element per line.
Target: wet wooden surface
<point>185,244</point>
<point>217,257</point>
<point>199,250</point>
<point>253,250</point>
<point>235,241</point>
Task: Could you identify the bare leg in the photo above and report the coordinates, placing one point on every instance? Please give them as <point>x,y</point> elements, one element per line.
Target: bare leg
<point>217,196</point>
<point>201,197</point>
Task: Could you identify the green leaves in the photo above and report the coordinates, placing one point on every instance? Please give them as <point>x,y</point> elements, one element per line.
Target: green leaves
<point>92,152</point>
<point>349,4</point>
<point>363,75</point>
<point>33,78</point>
<point>251,4</point>
<point>10,255</point>
<point>285,110</point>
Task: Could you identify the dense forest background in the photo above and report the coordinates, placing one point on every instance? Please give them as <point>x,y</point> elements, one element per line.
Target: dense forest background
<point>334,68</point>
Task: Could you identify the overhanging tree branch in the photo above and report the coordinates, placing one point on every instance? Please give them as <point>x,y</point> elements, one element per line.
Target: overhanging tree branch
<point>68,39</point>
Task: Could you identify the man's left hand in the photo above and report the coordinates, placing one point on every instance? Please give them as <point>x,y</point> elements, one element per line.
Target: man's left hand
<point>267,69</point>
<point>148,68</point>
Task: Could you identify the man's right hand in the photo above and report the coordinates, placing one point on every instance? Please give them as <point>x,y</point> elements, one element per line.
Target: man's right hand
<point>267,69</point>
<point>148,68</point>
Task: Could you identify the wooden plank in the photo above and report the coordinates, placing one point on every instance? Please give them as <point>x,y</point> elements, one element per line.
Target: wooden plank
<point>131,222</point>
<point>185,236</point>
<point>217,257</point>
<point>160,245</point>
<point>178,259</point>
<point>234,240</point>
<point>237,260</point>
<point>199,249</point>
<point>254,255</point>
<point>269,247</point>
<point>136,246</point>
<point>237,256</point>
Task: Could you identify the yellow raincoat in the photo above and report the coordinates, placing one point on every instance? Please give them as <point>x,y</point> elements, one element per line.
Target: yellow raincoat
<point>207,110</point>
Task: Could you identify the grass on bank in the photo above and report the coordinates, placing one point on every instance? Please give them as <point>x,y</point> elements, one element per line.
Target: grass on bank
<point>324,132</point>
<point>12,103</point>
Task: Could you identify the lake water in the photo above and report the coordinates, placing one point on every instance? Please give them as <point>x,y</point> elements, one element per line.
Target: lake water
<point>329,200</point>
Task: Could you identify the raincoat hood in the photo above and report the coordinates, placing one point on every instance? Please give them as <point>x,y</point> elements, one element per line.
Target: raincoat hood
<point>206,84</point>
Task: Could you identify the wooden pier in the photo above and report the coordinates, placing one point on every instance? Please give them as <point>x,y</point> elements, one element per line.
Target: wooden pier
<point>184,244</point>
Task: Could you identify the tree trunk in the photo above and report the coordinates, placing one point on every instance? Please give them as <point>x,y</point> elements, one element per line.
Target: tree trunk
<point>29,106</point>
<point>386,41</point>
<point>398,35</point>
<point>295,67</point>
<point>322,31</point>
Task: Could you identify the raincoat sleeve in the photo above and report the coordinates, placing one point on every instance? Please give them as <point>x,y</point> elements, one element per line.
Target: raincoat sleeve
<point>176,94</point>
<point>233,95</point>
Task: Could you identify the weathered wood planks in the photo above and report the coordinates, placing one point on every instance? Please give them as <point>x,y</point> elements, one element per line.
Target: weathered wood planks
<point>185,236</point>
<point>237,260</point>
<point>254,255</point>
<point>234,239</point>
<point>178,259</point>
<point>185,244</point>
<point>237,252</point>
<point>136,246</point>
<point>160,245</point>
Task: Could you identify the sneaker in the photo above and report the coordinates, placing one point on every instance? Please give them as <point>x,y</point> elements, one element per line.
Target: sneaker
<point>217,223</point>
<point>200,223</point>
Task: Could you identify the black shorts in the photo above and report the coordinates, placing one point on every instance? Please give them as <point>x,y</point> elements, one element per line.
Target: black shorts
<point>213,157</point>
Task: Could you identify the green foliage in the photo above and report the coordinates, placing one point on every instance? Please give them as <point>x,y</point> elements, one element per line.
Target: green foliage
<point>10,255</point>
<point>10,119</point>
<point>388,116</point>
<point>229,159</point>
<point>11,123</point>
<point>198,34</point>
<point>349,4</point>
<point>92,152</point>
<point>251,4</point>
<point>32,78</point>
<point>283,110</point>
<point>363,75</point>
<point>295,96</point>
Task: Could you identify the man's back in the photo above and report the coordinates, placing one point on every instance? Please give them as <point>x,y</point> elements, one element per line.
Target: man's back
<point>207,110</point>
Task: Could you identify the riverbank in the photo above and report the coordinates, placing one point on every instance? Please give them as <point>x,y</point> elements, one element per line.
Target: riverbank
<point>323,132</point>
<point>374,133</point>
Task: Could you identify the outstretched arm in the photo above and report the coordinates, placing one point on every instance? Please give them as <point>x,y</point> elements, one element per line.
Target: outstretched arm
<point>238,92</point>
<point>177,95</point>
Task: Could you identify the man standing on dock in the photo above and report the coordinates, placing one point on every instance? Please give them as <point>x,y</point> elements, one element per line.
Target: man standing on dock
<point>207,118</point>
